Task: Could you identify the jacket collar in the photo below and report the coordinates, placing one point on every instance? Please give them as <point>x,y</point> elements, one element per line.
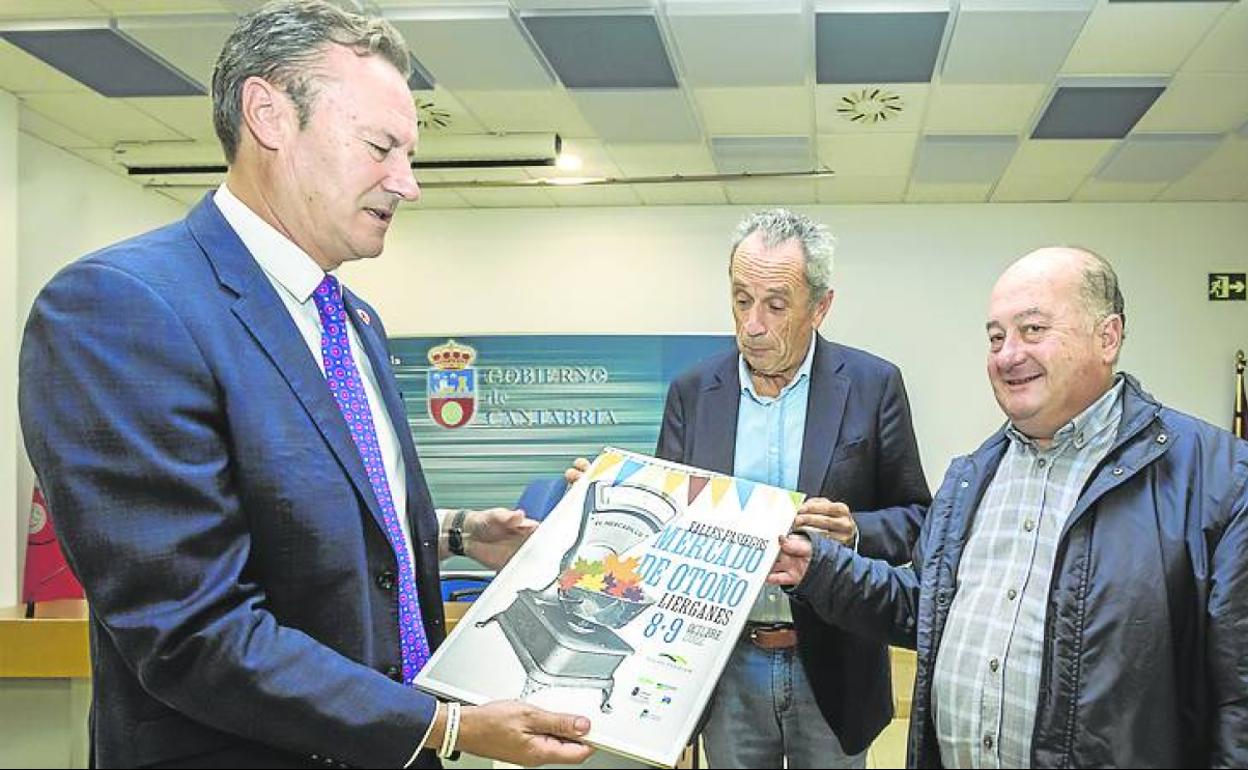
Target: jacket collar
<point>1141,439</point>
<point>262,313</point>
<point>825,407</point>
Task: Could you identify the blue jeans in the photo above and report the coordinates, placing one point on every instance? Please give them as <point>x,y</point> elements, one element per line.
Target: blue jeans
<point>764,712</point>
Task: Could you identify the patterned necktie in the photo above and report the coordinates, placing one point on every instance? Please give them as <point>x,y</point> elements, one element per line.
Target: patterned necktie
<point>344,382</point>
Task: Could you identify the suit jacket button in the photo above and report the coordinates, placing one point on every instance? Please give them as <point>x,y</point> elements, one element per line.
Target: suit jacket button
<point>386,580</point>
<point>395,673</point>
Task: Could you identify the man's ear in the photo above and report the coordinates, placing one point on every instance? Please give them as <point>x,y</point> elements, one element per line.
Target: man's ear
<point>822,307</point>
<point>266,112</point>
<point>1111,337</point>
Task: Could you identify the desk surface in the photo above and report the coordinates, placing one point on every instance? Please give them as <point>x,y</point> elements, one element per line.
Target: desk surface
<point>54,643</point>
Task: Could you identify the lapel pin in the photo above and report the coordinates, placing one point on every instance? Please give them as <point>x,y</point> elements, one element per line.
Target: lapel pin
<point>363,314</point>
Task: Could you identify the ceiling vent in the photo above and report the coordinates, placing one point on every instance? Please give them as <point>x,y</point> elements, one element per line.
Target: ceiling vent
<point>431,117</point>
<point>870,105</point>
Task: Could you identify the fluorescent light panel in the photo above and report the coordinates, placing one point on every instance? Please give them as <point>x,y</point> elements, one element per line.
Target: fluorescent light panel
<point>603,51</point>
<point>761,154</point>
<point>1095,112</point>
<point>963,159</point>
<point>877,47</point>
<point>105,60</point>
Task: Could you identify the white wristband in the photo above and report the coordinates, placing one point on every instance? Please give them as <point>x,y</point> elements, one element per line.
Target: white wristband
<point>451,736</point>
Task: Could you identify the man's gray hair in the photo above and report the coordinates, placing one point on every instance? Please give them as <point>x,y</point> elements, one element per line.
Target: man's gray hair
<point>1099,289</point>
<point>780,225</point>
<point>283,43</point>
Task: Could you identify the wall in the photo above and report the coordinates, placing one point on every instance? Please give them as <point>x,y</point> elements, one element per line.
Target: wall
<point>8,347</point>
<point>912,284</point>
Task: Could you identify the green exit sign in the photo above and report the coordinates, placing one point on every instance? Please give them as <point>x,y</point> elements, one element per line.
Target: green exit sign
<point>1228,286</point>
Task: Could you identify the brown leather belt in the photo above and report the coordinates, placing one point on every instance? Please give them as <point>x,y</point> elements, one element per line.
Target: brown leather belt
<point>771,636</point>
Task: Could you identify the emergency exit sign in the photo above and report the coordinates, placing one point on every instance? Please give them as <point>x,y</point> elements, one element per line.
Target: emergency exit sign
<point>1228,286</point>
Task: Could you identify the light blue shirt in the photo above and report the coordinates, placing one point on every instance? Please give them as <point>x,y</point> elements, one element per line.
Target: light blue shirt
<point>770,432</point>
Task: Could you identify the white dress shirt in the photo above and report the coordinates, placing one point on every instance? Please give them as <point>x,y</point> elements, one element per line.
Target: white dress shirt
<point>295,276</point>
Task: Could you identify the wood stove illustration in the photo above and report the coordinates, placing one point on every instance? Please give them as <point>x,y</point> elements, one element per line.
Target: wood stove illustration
<point>564,634</point>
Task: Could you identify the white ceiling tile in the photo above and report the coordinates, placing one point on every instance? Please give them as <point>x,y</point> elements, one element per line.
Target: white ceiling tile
<point>594,195</point>
<point>51,132</point>
<point>1198,102</point>
<point>1059,157</point>
<point>1231,157</point>
<point>1019,187</point>
<point>161,6</point>
<point>708,38</point>
<point>772,192</point>
<point>965,109</point>
<point>1221,176</point>
<point>963,158</point>
<point>480,47</point>
<point>104,121</point>
<point>1157,157</point>
<point>21,73</point>
<point>1206,187</point>
<point>1225,48</point>
<point>531,110</point>
<point>651,115</point>
<point>683,193</point>
<point>831,98</point>
<point>438,199</point>
<point>474,174</point>
<point>737,111</point>
<point>992,43</point>
<point>1096,190</point>
<point>102,158</point>
<point>27,9</point>
<point>873,155</point>
<point>934,192</point>
<point>506,197</point>
<point>190,43</point>
<point>661,159</point>
<point>862,189</point>
<point>1140,38</point>
<point>187,197</point>
<point>762,154</point>
<point>572,5</point>
<point>188,115</point>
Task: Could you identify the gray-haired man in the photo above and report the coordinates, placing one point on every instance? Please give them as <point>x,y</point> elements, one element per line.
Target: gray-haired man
<point>792,409</point>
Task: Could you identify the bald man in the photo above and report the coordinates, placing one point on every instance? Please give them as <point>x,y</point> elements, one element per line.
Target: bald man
<point>1078,594</point>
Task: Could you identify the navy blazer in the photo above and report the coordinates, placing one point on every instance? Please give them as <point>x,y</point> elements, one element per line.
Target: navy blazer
<point>858,448</point>
<point>209,496</point>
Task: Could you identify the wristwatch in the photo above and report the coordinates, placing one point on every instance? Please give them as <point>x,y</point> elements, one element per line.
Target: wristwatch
<point>455,537</point>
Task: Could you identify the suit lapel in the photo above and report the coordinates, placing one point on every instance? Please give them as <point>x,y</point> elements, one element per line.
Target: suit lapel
<point>261,311</point>
<point>829,392</point>
<point>717,419</point>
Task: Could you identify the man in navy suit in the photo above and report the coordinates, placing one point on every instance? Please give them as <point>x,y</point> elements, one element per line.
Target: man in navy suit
<point>791,409</point>
<point>214,421</point>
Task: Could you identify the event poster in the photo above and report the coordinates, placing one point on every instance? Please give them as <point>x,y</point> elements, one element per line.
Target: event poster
<point>624,605</point>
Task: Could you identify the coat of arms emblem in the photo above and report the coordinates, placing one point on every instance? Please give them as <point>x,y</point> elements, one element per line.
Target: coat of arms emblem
<point>451,392</point>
